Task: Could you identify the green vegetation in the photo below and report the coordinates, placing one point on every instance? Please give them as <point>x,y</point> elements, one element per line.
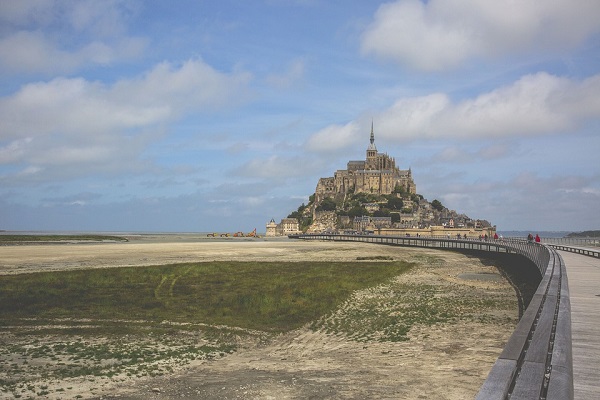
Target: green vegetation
<point>58,238</point>
<point>365,317</point>
<point>436,204</point>
<point>304,218</point>
<point>353,205</point>
<point>584,234</point>
<point>266,296</point>
<point>144,321</point>
<point>328,204</point>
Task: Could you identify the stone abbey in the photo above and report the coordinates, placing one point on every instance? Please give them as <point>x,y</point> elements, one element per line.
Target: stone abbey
<point>376,196</point>
<point>377,174</point>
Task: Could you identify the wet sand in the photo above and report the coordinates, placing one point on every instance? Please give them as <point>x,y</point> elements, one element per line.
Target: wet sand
<point>443,361</point>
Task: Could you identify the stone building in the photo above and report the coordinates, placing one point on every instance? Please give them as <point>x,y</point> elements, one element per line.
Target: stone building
<point>287,226</point>
<point>271,228</point>
<point>377,174</point>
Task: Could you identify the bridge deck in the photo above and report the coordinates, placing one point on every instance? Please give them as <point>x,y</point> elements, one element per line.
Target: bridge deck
<point>584,285</point>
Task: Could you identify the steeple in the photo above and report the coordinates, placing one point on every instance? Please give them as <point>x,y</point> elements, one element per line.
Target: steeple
<point>372,145</point>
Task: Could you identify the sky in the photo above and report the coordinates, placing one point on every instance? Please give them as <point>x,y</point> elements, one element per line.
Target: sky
<point>196,116</point>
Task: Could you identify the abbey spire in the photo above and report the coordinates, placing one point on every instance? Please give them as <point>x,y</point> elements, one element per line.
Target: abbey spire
<point>372,145</point>
<point>372,150</point>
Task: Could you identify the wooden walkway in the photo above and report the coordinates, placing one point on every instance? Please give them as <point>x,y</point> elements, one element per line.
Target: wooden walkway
<point>583,273</point>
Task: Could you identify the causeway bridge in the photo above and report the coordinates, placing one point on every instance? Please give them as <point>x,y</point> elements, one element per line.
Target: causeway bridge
<point>554,352</point>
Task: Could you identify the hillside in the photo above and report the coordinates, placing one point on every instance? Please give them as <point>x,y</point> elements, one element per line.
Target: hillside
<point>399,209</point>
<point>584,234</point>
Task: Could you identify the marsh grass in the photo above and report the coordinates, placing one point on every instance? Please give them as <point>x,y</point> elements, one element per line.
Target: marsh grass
<point>265,296</point>
<point>143,321</point>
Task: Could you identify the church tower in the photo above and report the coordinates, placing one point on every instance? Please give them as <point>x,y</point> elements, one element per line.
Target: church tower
<point>371,150</point>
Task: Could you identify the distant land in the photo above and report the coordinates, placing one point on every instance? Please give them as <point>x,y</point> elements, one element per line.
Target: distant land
<point>585,234</point>
<point>505,233</point>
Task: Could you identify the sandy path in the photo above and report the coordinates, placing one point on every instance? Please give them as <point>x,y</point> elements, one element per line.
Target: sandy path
<point>443,361</point>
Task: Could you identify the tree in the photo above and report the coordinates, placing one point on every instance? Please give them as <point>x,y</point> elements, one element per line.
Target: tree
<point>436,204</point>
<point>295,214</point>
<point>357,211</point>
<point>395,203</point>
<point>327,204</point>
<point>382,213</point>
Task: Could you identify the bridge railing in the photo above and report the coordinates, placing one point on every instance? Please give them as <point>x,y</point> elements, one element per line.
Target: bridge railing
<point>536,362</point>
<point>578,250</point>
<point>574,241</point>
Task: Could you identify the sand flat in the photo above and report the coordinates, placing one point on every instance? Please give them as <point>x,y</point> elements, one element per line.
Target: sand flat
<point>443,361</point>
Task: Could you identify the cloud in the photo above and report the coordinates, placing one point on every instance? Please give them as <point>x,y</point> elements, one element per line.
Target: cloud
<point>335,137</point>
<point>106,18</point>
<point>444,34</point>
<point>33,52</point>
<point>524,200</point>
<point>73,122</point>
<point>276,167</point>
<point>78,199</point>
<point>293,74</point>
<point>61,36</point>
<point>537,104</point>
<point>534,105</point>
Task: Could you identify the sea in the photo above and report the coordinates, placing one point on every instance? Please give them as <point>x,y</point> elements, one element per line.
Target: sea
<point>507,233</point>
<point>544,234</point>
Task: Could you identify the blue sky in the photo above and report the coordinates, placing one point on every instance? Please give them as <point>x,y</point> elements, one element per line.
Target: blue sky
<point>220,115</point>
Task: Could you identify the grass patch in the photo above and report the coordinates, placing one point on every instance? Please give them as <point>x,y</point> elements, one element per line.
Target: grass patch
<point>144,321</point>
<point>265,296</point>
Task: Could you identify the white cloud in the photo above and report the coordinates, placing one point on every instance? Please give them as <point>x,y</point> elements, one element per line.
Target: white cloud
<point>442,34</point>
<point>26,11</point>
<point>33,52</point>
<point>523,200</point>
<point>334,137</point>
<point>74,121</point>
<point>276,167</point>
<point>106,18</point>
<point>536,104</point>
<point>61,36</point>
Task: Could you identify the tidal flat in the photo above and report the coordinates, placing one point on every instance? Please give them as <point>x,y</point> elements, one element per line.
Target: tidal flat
<point>184,316</point>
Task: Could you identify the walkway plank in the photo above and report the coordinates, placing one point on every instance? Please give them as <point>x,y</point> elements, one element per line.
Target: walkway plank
<point>583,273</point>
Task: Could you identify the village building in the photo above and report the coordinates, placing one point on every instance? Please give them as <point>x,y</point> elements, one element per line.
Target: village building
<point>287,226</point>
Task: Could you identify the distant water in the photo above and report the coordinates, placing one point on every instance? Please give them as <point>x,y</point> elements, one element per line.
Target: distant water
<point>117,233</point>
<point>544,234</point>
<point>91,233</point>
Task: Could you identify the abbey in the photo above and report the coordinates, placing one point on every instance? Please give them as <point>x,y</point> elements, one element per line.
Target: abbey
<point>376,196</point>
<point>377,174</point>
